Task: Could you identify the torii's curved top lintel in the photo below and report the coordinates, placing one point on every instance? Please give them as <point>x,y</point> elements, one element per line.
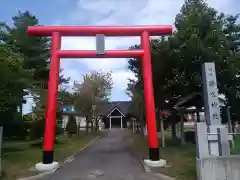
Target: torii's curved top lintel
<point>154,30</point>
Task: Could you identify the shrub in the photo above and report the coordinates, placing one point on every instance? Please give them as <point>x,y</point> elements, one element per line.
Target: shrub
<point>37,128</point>
<point>71,126</point>
<point>59,129</point>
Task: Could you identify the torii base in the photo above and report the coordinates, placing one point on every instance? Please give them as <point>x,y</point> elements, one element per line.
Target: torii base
<point>46,167</point>
<point>159,163</point>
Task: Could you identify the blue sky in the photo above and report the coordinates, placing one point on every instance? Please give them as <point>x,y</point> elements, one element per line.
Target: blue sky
<point>103,12</point>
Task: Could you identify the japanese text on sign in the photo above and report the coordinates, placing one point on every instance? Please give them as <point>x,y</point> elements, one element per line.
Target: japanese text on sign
<point>214,104</point>
<point>214,94</point>
<point>212,83</point>
<point>215,116</point>
<point>211,71</point>
<point>211,102</point>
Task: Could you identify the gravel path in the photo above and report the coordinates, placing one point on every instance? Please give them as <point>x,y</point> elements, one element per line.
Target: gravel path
<point>109,158</point>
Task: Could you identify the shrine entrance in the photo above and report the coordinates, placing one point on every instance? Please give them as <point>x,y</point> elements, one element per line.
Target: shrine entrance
<point>56,32</point>
<point>116,119</point>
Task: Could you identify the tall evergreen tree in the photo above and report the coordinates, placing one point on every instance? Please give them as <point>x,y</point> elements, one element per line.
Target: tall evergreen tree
<point>13,78</point>
<point>202,35</point>
<point>35,50</point>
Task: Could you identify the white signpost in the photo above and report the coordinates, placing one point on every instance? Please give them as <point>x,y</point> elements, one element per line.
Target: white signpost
<point>211,136</point>
<point>211,106</point>
<point>211,102</point>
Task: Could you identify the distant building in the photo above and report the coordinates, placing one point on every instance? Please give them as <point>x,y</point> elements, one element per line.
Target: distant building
<point>194,107</point>
<point>69,110</point>
<point>112,114</point>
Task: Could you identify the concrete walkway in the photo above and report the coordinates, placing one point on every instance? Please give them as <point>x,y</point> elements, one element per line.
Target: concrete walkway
<point>109,158</point>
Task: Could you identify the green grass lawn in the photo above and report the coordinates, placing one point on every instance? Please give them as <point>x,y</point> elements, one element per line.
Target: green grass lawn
<point>18,157</point>
<point>236,149</point>
<point>181,158</point>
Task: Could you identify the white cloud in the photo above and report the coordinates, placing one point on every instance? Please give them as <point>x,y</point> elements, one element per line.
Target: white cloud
<point>124,12</point>
<point>88,43</point>
<point>121,79</point>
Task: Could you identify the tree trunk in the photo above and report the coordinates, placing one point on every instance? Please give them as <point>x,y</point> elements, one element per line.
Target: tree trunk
<point>198,109</point>
<point>87,121</point>
<point>132,125</point>
<point>78,129</point>
<point>142,127</point>
<point>92,128</point>
<point>96,125</point>
<point>21,111</point>
<point>182,128</point>
<point>162,132</point>
<point>174,132</point>
<point>142,124</point>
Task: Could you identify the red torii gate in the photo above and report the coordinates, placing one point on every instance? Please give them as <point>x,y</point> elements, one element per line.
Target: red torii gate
<point>56,53</point>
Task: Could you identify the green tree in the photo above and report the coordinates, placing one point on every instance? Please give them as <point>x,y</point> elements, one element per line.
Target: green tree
<point>35,50</point>
<point>200,39</point>
<point>34,53</point>
<point>96,86</point>
<point>202,35</point>
<point>137,107</point>
<point>216,38</point>
<point>71,126</point>
<point>63,97</point>
<point>231,29</point>
<point>13,78</point>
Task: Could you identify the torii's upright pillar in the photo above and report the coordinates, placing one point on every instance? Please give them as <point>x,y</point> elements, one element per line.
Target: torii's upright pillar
<point>100,31</point>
